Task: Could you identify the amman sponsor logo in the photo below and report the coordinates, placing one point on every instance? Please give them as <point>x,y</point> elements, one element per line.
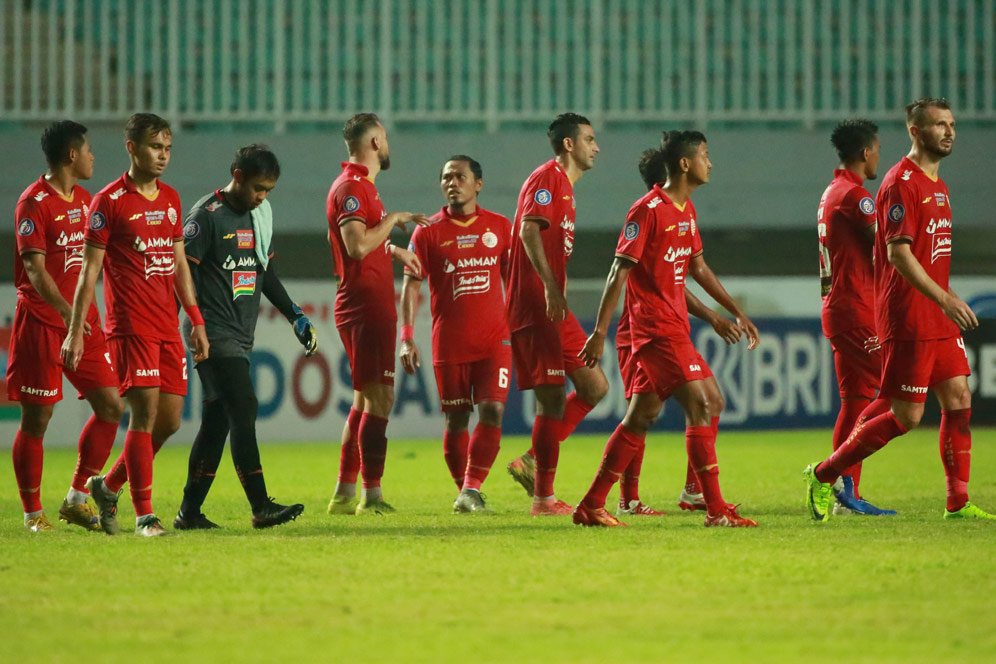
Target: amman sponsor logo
<point>934,224</point>
<point>72,238</point>
<point>147,373</point>
<point>672,254</point>
<point>485,261</point>
<point>38,392</point>
<point>915,389</point>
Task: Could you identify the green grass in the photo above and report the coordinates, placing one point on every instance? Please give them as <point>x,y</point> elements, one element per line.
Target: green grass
<point>426,585</point>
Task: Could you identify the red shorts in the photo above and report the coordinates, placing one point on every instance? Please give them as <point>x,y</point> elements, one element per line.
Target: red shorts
<point>910,367</point>
<point>463,385</point>
<point>858,371</point>
<point>34,362</point>
<point>626,365</point>
<point>664,365</point>
<point>546,354</point>
<point>370,350</point>
<point>145,362</point>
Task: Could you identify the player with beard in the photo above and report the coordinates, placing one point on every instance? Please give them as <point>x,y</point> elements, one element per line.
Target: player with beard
<point>228,236</point>
<point>919,319</point>
<point>134,226</point>
<point>546,336</point>
<point>846,230</point>
<point>658,247</point>
<point>359,228</point>
<point>49,222</point>
<point>464,256</point>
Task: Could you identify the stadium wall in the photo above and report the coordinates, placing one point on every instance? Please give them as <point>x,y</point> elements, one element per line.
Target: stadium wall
<point>787,382</point>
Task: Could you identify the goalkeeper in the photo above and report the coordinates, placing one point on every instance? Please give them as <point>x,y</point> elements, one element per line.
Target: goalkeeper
<point>228,240</point>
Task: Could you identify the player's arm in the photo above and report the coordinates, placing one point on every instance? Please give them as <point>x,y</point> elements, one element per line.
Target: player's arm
<point>614,284</point>
<point>705,277</point>
<point>278,296</point>
<point>183,286</point>
<point>72,346</point>
<point>410,295</point>
<point>725,328</point>
<point>360,239</point>
<point>44,285</point>
<point>901,257</point>
<point>529,234</point>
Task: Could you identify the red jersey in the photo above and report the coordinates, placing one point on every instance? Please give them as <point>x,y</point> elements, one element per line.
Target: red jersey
<point>915,208</point>
<point>48,224</point>
<point>624,337</point>
<point>465,260</point>
<point>139,267</point>
<point>661,238</point>
<point>847,283</point>
<point>366,287</point>
<point>547,195</point>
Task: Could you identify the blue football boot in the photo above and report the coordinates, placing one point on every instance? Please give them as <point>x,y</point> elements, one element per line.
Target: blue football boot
<point>848,503</point>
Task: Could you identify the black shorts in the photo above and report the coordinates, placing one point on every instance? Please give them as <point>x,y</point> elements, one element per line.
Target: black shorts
<point>225,377</point>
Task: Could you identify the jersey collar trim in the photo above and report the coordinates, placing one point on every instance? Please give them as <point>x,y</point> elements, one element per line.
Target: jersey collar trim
<point>850,176</point>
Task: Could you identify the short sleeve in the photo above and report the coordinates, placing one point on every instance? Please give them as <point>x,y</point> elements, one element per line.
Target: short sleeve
<point>350,202</point>
<point>897,212</point>
<point>859,207</point>
<point>636,230</point>
<point>98,230</point>
<point>178,230</point>
<point>696,235</point>
<point>539,197</point>
<point>417,245</point>
<point>30,233</point>
<point>198,233</point>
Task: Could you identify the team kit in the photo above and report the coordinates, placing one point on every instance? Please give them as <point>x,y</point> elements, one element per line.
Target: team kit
<point>499,311</point>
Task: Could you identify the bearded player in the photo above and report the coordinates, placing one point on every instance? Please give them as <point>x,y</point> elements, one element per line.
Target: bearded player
<point>919,319</point>
<point>464,256</point>
<point>50,218</point>
<point>546,336</point>
<point>658,248</point>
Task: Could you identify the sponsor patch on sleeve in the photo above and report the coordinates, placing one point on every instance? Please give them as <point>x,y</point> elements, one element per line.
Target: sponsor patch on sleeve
<point>631,230</point>
<point>97,221</point>
<point>867,205</point>
<point>191,229</point>
<point>896,213</point>
<point>25,227</point>
<point>351,204</point>
<point>543,197</point>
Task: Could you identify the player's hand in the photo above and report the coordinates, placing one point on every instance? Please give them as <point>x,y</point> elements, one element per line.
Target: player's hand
<point>872,344</point>
<point>66,313</point>
<point>199,339</point>
<point>556,305</point>
<point>408,259</point>
<point>593,349</point>
<point>748,327</point>
<point>727,329</point>
<point>956,309</point>
<point>305,333</point>
<point>410,360</point>
<point>403,218</point>
<point>72,351</point>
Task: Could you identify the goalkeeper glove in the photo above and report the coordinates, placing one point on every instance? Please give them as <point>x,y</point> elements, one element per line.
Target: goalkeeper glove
<point>305,332</point>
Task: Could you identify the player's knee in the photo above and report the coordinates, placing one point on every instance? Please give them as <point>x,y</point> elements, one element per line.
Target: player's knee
<point>699,411</point>
<point>457,422</point>
<point>959,399</point>
<point>908,416</point>
<point>594,389</point>
<point>109,410</point>
<point>491,412</point>
<point>717,404</point>
<point>639,422</point>
<point>550,402</point>
<point>34,420</point>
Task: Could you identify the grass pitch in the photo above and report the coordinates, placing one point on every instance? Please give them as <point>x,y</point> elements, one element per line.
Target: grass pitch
<point>427,585</point>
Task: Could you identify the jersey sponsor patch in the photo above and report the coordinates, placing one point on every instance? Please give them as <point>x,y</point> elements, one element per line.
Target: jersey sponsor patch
<point>490,240</point>
<point>97,221</point>
<point>171,215</point>
<point>243,283</point>
<point>631,230</point>
<point>351,204</point>
<point>191,229</point>
<point>896,213</point>
<point>471,281</point>
<point>867,205</point>
<point>26,227</point>
<point>542,197</point>
<point>245,239</point>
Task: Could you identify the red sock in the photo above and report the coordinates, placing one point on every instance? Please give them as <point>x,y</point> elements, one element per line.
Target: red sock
<point>546,432</point>
<point>455,444</point>
<point>349,454</point>
<point>138,456</point>
<point>29,455</point>
<point>373,449</point>
<point>691,479</point>
<point>96,441</point>
<point>867,438</point>
<point>956,455</point>
<point>700,443</point>
<point>629,486</point>
<point>619,451</point>
<point>483,452</point>
<point>852,412</point>
<point>118,475</point>
<point>574,411</point>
